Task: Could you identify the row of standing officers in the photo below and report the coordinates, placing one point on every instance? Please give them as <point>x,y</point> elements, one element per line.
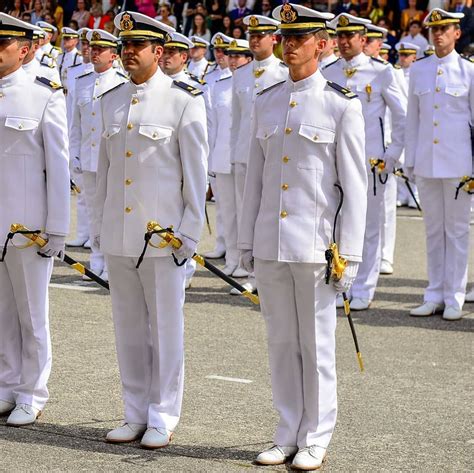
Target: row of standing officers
<point>280,136</point>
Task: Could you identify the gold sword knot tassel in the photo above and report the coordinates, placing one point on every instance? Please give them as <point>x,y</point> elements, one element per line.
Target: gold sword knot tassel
<point>378,164</point>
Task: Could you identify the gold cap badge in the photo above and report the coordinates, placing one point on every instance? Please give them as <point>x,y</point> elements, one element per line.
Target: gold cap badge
<point>126,23</point>
<point>96,36</point>
<point>219,41</point>
<point>253,21</point>
<point>343,21</point>
<point>288,14</point>
<point>436,16</point>
<point>233,44</point>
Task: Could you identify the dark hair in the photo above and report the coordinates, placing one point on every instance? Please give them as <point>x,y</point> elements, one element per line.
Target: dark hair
<point>414,22</point>
<point>204,26</point>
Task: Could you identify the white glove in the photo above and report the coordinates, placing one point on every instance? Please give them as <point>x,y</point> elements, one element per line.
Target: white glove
<point>390,164</point>
<point>76,165</point>
<point>187,249</point>
<point>350,273</point>
<point>246,260</point>
<point>54,247</point>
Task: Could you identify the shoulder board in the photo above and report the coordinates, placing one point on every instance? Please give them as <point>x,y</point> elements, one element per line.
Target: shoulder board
<point>196,79</point>
<point>188,88</point>
<point>58,49</point>
<point>331,63</point>
<point>422,57</point>
<point>48,55</point>
<point>212,63</point>
<point>381,61</point>
<point>83,75</point>
<point>121,74</point>
<point>75,65</point>
<point>110,90</point>
<point>283,64</point>
<point>223,78</point>
<point>49,66</point>
<point>271,87</point>
<point>467,58</point>
<point>342,90</point>
<point>244,65</point>
<point>49,83</point>
<point>397,66</point>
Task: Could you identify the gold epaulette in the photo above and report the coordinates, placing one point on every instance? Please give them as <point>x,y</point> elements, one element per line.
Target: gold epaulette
<point>188,88</point>
<point>397,66</point>
<point>84,75</point>
<point>346,92</point>
<point>196,79</point>
<point>467,58</point>
<point>381,61</point>
<point>49,83</point>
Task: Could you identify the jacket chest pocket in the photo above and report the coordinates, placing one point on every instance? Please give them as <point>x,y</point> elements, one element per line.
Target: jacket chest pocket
<point>22,135</point>
<point>152,139</point>
<point>314,146</point>
<point>266,135</point>
<point>457,97</point>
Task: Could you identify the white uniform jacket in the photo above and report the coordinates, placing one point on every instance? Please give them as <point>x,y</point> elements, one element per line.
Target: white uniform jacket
<point>217,74</point>
<point>198,68</point>
<point>152,164</point>
<point>34,177</point>
<point>306,137</point>
<point>68,59</point>
<point>220,121</point>
<point>245,87</point>
<point>440,114</point>
<point>35,69</point>
<point>86,126</point>
<point>48,50</point>
<point>375,84</point>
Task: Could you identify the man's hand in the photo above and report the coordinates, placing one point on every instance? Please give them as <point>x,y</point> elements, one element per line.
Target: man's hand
<point>350,273</point>
<point>187,249</point>
<point>246,260</point>
<point>54,247</point>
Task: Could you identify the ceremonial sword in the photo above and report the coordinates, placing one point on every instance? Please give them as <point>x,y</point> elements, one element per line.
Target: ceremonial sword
<point>154,228</point>
<point>336,265</point>
<point>34,236</point>
<point>400,173</point>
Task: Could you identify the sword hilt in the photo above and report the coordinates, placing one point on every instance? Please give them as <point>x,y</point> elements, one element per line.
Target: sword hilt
<point>34,237</point>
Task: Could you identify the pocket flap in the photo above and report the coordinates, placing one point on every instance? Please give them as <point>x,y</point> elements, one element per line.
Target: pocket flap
<point>421,91</point>
<point>265,132</point>
<point>456,90</point>
<point>317,134</point>
<point>111,131</point>
<point>155,132</point>
<point>21,124</point>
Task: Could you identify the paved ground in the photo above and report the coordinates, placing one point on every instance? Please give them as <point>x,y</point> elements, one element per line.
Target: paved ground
<point>410,411</point>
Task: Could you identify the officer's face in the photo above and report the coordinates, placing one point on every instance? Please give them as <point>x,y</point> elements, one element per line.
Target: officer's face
<point>350,44</point>
<point>221,58</point>
<point>301,49</point>
<point>197,53</point>
<point>70,43</point>
<point>445,36</point>
<point>31,52</point>
<point>102,58</point>
<point>12,54</point>
<point>237,60</point>
<point>174,60</point>
<point>372,47</point>
<point>140,55</point>
<point>85,50</point>
<point>406,60</point>
<point>261,45</point>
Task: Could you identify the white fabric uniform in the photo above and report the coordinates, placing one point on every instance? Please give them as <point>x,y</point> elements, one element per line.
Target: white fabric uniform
<point>217,74</point>
<point>67,59</point>
<point>306,137</point>
<point>34,191</point>
<point>327,60</point>
<point>385,92</point>
<point>440,113</point>
<point>220,119</point>
<point>151,167</point>
<point>85,135</point>
<point>198,68</point>
<point>48,52</point>
<point>35,69</point>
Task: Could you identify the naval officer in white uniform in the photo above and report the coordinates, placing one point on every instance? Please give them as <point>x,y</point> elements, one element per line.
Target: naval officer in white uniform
<point>439,154</point>
<point>34,191</point>
<point>307,136</point>
<point>152,166</point>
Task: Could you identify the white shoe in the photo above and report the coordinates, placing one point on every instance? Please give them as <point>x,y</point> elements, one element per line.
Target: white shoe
<point>275,455</point>
<point>247,286</point>
<point>228,269</point>
<point>426,309</point>
<point>339,301</point>
<point>77,243</point>
<point>309,458</point>
<point>156,437</point>
<point>6,407</point>
<point>87,244</point>
<point>386,267</point>
<point>358,303</point>
<point>23,414</point>
<point>126,433</point>
<point>240,273</point>
<point>214,254</point>
<point>452,313</point>
<point>470,296</point>
<point>399,203</point>
<point>105,275</point>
